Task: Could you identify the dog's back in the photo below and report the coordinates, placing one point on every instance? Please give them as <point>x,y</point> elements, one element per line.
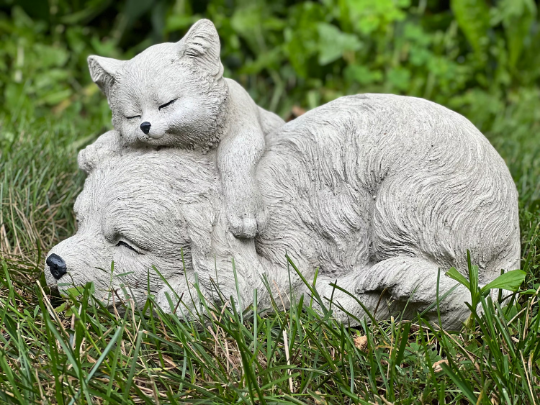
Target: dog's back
<point>369,180</point>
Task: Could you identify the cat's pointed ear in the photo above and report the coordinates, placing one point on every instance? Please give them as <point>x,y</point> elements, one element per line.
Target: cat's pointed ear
<point>104,71</point>
<point>201,43</point>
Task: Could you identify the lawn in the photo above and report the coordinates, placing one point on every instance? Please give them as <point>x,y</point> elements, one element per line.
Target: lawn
<point>56,350</point>
<point>67,350</point>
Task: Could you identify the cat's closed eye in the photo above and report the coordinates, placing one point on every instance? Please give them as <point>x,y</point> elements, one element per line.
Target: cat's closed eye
<point>133,116</point>
<point>167,104</point>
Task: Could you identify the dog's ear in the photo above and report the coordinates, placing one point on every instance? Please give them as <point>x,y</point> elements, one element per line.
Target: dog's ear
<point>104,72</point>
<point>105,147</point>
<point>201,44</point>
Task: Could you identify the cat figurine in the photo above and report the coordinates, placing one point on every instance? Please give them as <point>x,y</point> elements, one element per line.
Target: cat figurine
<point>175,95</point>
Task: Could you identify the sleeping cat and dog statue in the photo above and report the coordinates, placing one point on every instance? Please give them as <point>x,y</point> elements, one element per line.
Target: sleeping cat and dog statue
<point>377,194</point>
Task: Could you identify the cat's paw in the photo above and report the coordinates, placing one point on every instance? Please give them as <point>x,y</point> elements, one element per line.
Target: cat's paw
<point>243,227</point>
<point>246,213</point>
<point>106,146</point>
<point>247,225</point>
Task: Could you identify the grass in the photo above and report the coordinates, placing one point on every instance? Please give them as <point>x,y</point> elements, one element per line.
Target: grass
<point>71,350</point>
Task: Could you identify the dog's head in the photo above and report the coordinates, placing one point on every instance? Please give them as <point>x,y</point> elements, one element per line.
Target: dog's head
<point>138,211</point>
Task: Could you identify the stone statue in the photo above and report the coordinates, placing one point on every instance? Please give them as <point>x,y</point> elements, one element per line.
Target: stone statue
<point>374,193</point>
<point>176,95</point>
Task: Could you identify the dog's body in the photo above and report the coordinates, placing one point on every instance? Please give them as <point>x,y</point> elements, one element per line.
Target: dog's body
<point>378,192</point>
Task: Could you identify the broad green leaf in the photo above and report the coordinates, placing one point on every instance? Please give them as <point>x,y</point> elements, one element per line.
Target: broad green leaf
<point>454,274</point>
<point>517,17</point>
<point>507,281</point>
<point>247,21</point>
<point>75,291</point>
<point>473,18</point>
<point>301,37</point>
<point>333,43</point>
<point>362,74</point>
<point>61,308</point>
<point>528,292</point>
<point>369,16</point>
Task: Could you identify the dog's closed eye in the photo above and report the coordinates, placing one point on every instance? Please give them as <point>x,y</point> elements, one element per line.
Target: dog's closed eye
<point>122,243</point>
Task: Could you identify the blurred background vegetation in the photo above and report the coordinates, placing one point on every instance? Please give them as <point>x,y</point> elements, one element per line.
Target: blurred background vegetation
<point>478,57</point>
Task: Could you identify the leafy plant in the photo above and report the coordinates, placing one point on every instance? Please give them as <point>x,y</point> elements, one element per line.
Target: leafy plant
<point>511,280</point>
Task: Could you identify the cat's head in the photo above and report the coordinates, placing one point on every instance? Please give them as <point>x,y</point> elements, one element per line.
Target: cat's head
<point>170,94</point>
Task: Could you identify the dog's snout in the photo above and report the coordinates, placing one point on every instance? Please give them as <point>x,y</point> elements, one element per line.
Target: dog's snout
<point>57,266</point>
<point>145,127</point>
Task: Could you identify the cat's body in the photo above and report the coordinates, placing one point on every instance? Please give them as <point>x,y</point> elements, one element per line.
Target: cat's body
<point>175,95</point>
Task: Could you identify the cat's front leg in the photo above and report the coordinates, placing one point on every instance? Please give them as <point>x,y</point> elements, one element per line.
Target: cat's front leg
<point>245,210</point>
<point>237,160</point>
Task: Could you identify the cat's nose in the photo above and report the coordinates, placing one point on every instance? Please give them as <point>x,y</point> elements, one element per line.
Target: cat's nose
<point>145,127</point>
<point>57,266</point>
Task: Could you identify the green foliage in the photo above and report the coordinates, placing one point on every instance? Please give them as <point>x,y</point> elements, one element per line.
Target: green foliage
<point>286,51</point>
<point>83,353</point>
<point>473,18</point>
<point>510,281</point>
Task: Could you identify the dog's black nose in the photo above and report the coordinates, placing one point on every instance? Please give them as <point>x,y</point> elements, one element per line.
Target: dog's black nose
<point>57,266</point>
<point>145,127</point>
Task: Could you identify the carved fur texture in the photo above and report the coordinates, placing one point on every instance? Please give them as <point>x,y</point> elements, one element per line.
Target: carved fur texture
<point>378,192</point>
<point>174,94</point>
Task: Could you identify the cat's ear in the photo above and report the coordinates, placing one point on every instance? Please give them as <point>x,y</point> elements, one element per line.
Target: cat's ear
<point>201,43</point>
<point>104,71</point>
